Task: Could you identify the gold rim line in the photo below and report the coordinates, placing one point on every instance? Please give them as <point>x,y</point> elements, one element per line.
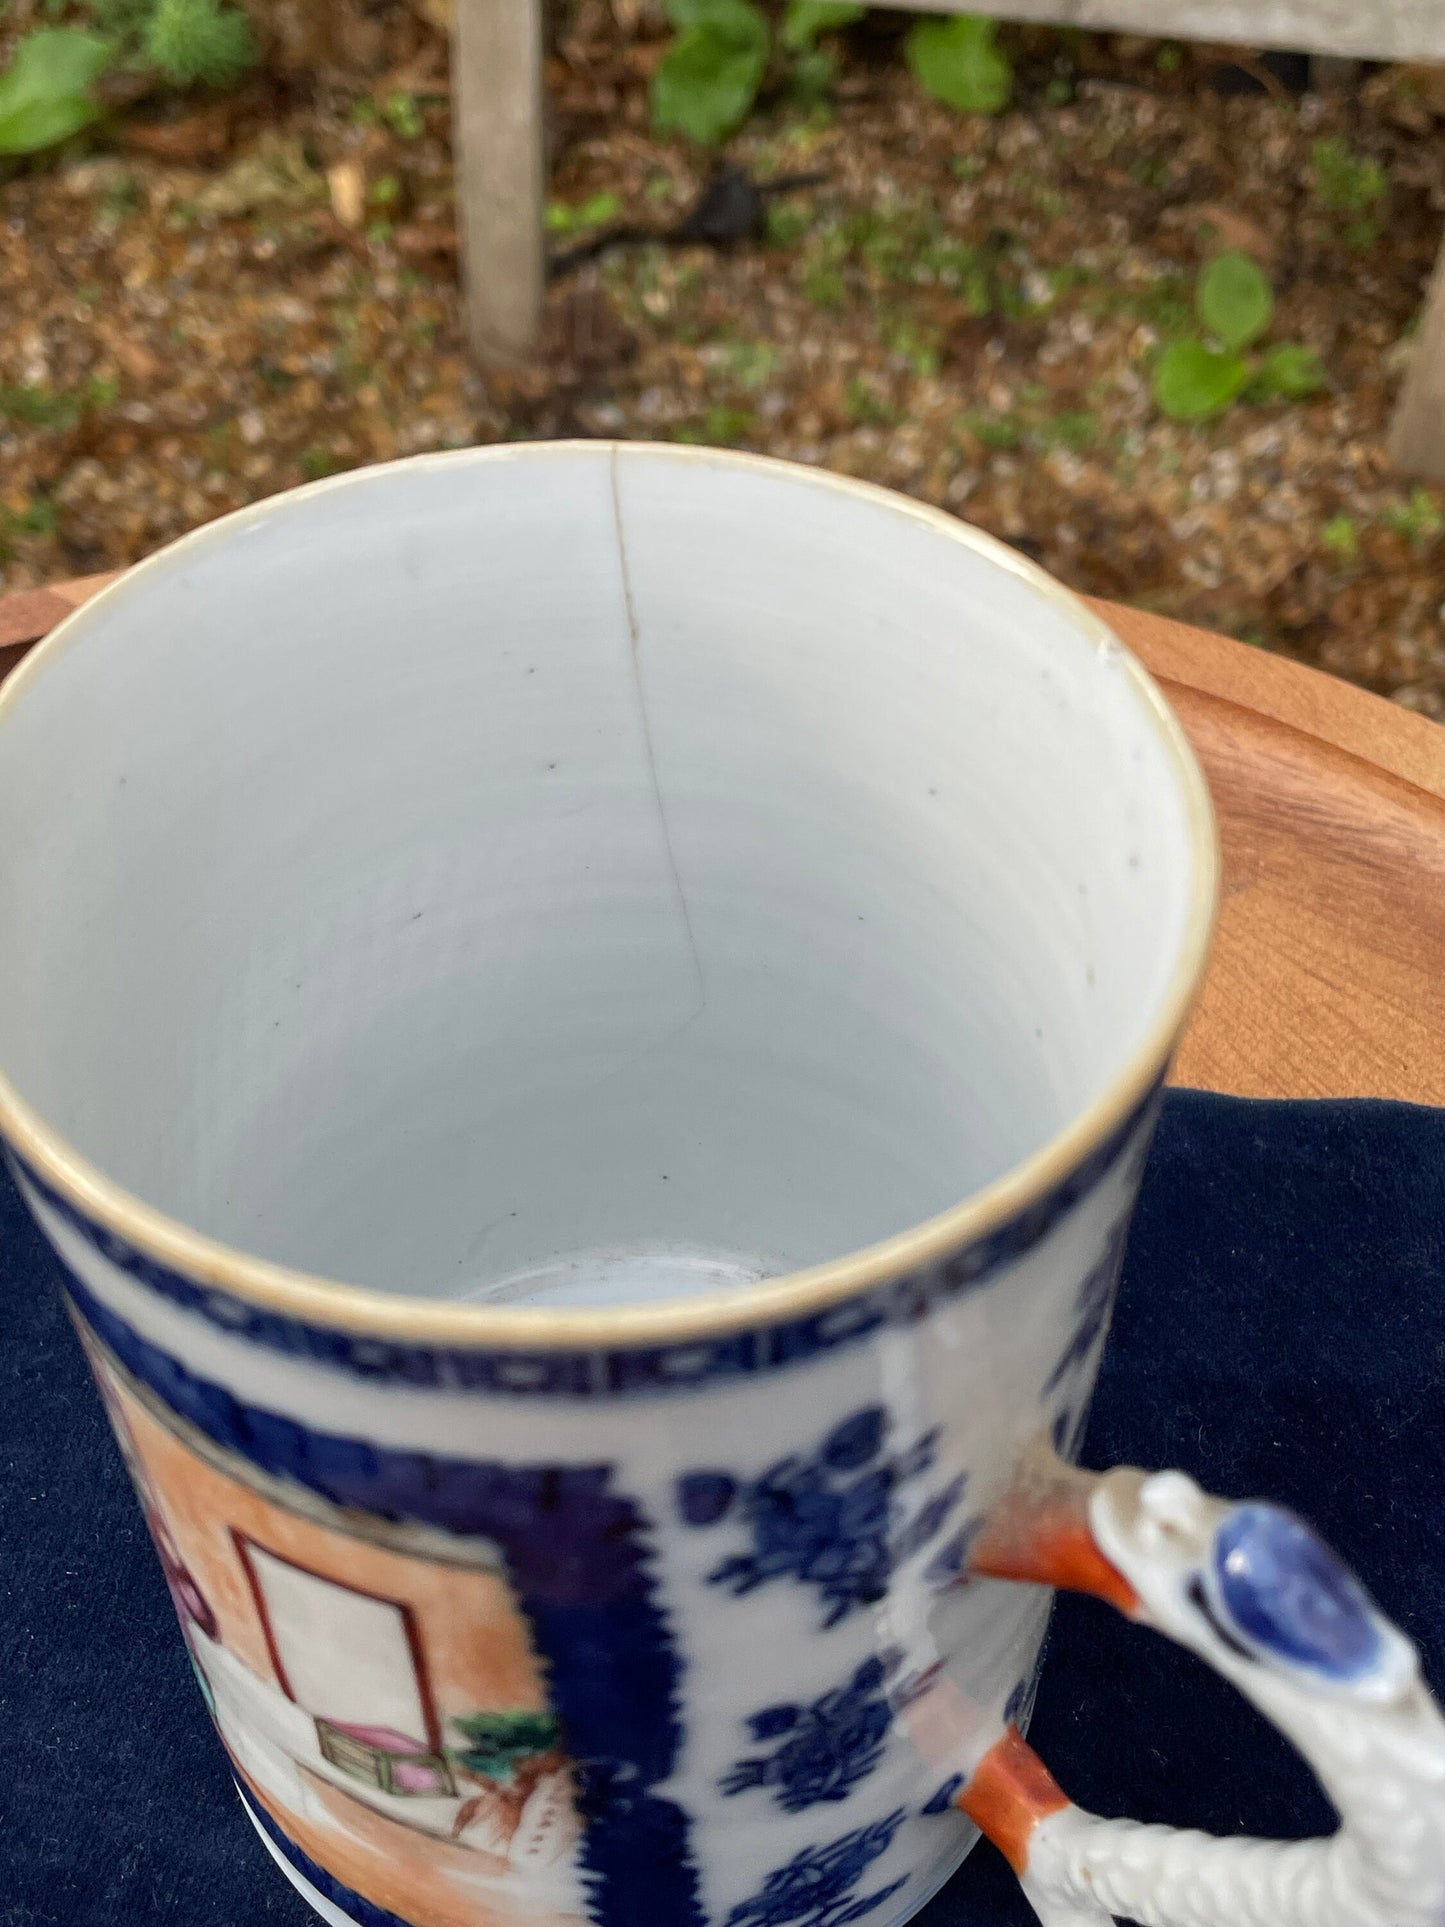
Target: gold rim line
<point>375,1313</point>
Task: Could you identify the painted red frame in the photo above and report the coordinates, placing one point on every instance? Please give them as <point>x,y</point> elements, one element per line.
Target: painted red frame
<point>244,1543</point>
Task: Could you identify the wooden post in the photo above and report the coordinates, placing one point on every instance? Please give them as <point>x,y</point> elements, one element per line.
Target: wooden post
<point>501,174</point>
<point>1417,431</point>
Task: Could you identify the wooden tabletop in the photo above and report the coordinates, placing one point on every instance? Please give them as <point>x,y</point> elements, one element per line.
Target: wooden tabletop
<point>1328,975</point>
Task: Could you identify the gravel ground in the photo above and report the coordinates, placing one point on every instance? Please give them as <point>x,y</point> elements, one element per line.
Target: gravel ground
<point>219,299</point>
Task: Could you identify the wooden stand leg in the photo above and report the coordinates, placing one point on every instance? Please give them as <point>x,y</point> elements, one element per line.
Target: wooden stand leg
<point>1417,432</point>
<point>501,175</point>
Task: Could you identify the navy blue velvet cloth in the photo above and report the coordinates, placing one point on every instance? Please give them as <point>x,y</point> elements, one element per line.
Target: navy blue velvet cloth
<point>1281,1332</point>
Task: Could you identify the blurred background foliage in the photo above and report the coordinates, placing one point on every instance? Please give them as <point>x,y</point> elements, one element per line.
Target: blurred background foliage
<point>1139,307</point>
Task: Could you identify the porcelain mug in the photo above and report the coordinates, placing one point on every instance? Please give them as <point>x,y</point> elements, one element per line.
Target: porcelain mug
<point>694,944</point>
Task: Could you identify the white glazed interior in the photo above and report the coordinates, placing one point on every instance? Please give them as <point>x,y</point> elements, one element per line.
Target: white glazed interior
<point>578,874</point>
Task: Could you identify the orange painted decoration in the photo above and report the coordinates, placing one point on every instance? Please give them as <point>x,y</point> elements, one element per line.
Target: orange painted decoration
<point>1057,1551</point>
<point>1041,1536</point>
<point>1010,1792</point>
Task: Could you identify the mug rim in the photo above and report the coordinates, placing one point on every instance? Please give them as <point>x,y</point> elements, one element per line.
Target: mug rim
<point>463,1324</point>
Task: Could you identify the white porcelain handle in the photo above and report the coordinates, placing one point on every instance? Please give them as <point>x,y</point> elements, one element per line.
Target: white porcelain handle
<point>1253,1591</point>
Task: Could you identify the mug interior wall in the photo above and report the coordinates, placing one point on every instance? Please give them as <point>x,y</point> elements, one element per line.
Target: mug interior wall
<point>474,874</point>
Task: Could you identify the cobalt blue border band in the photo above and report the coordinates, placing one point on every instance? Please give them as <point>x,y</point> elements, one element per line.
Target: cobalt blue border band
<point>619,1373</point>
<point>578,1557</point>
<point>363,1911</point>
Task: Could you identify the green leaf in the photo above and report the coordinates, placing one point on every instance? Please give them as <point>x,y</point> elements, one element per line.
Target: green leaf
<point>45,91</point>
<point>1234,300</point>
<point>707,81</point>
<point>1192,382</point>
<point>1288,372</point>
<point>959,62</point>
<point>806,20</point>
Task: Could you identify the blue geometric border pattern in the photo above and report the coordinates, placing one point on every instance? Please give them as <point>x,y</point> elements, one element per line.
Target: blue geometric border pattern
<point>363,1911</point>
<point>619,1373</point>
<point>577,1556</point>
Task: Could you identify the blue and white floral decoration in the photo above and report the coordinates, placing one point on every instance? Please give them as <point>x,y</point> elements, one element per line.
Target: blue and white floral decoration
<point>816,1887</point>
<point>824,1749</point>
<point>832,1519</point>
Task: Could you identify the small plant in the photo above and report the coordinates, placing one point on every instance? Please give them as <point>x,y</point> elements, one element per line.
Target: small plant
<point>807,20</point>
<point>48,92</point>
<point>815,68</point>
<point>960,62</point>
<point>723,425</point>
<point>1150,170</point>
<point>1287,372</point>
<point>1341,538</point>
<point>1346,182</point>
<point>402,114</point>
<point>594,212</point>
<point>719,428</point>
<point>39,516</point>
<point>751,363</point>
<point>1075,429</point>
<point>708,80</point>
<point>824,282</point>
<point>1351,184</point>
<point>905,245</point>
<point>1031,426</point>
<point>39,407</point>
<point>787,223</point>
<point>1418,519</point>
<point>1196,379</point>
<point>864,407</point>
<point>994,431</point>
<point>885,239</point>
<point>914,345</point>
<point>121,197</point>
<point>1165,304</point>
<point>126,19</point>
<point>317,463</point>
<point>186,41</point>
